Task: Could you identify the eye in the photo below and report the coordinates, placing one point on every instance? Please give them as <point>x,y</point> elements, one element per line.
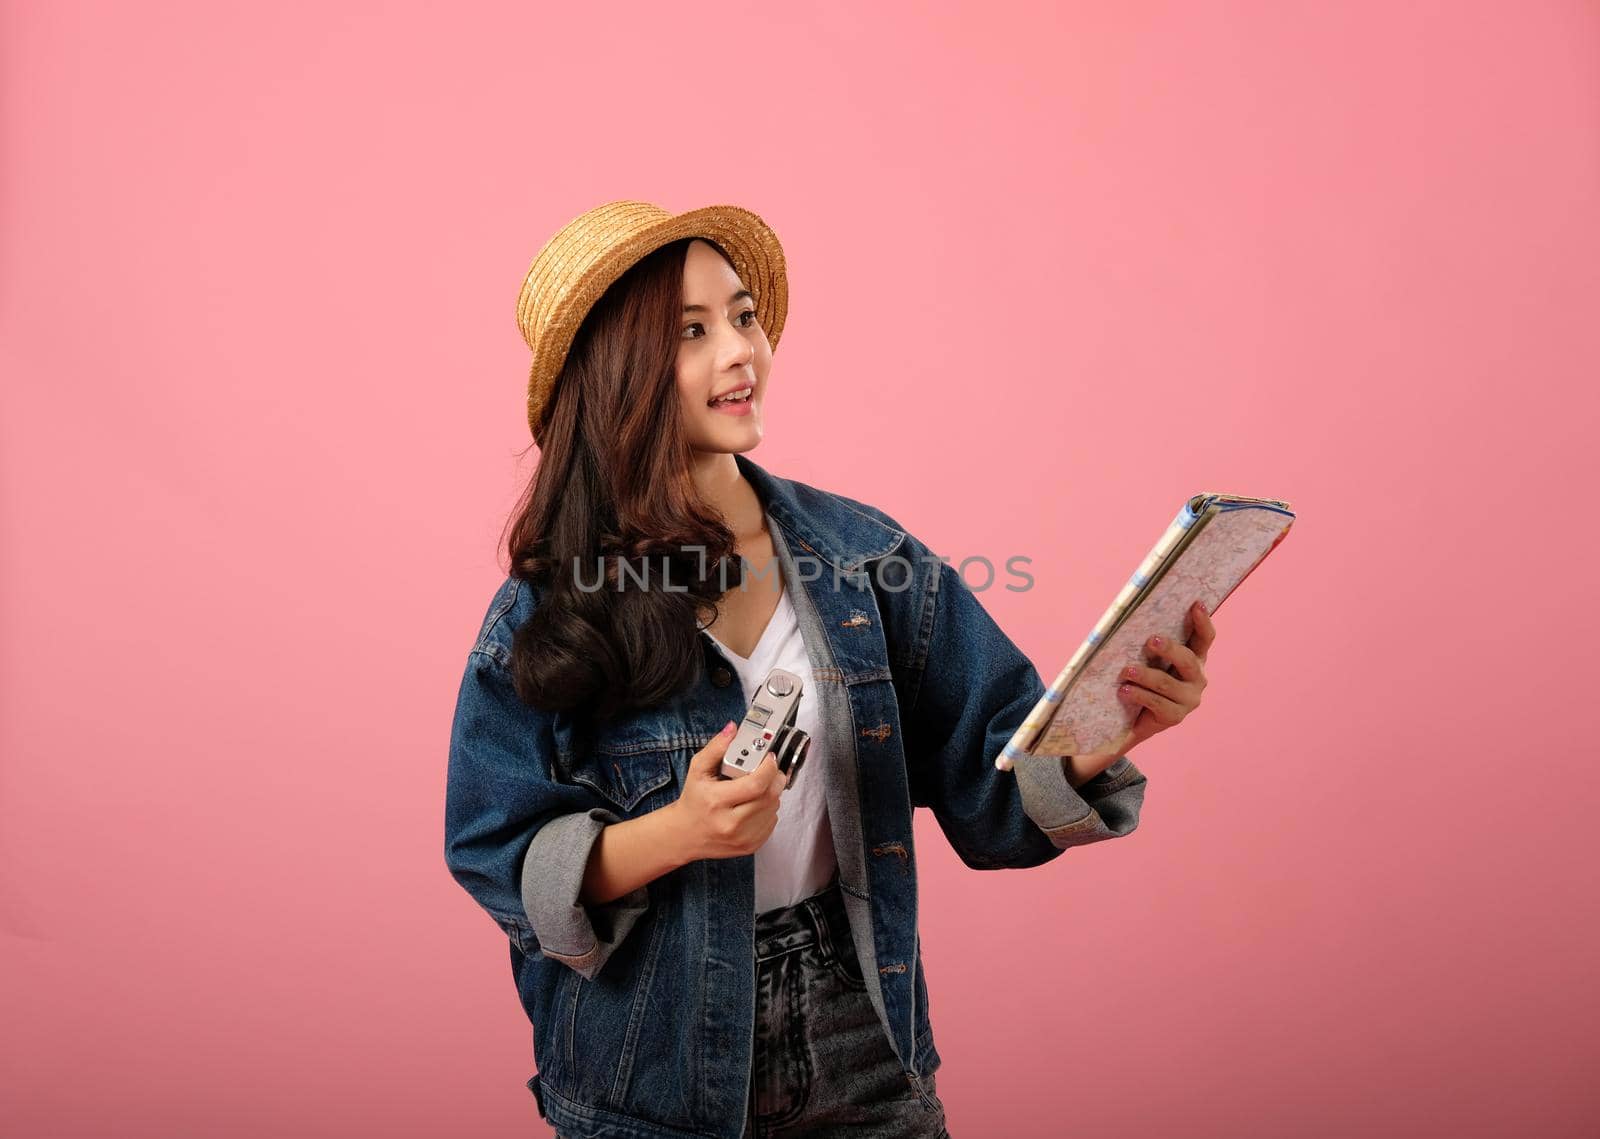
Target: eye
<point>751,323</point>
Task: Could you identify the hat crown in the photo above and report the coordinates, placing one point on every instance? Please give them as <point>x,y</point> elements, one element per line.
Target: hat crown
<point>572,253</point>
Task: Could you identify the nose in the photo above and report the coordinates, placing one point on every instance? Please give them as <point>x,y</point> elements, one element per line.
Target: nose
<point>740,350</point>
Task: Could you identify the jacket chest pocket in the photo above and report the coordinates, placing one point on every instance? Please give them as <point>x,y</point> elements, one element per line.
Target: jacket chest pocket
<point>630,764</point>
<point>623,780</point>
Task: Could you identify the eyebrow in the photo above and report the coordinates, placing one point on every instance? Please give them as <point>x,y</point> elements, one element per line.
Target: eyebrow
<point>736,296</point>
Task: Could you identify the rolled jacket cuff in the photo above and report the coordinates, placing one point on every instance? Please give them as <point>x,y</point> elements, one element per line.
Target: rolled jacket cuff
<point>1114,778</point>
<point>579,935</point>
<point>1107,806</point>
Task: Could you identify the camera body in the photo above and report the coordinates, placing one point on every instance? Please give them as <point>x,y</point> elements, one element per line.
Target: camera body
<point>768,727</point>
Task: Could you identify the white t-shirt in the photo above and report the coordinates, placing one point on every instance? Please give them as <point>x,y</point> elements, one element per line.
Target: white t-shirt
<point>798,858</point>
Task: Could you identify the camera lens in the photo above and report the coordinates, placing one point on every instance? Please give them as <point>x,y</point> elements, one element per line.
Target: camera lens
<point>793,745</point>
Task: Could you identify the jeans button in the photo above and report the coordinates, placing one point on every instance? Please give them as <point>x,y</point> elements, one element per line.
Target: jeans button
<point>721,677</point>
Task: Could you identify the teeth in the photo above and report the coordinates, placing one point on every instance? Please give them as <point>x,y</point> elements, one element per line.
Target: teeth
<point>736,397</point>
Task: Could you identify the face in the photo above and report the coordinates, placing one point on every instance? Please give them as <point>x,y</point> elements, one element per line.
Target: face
<point>721,350</point>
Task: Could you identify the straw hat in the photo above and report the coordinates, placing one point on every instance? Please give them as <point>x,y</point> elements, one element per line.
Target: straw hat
<point>589,253</point>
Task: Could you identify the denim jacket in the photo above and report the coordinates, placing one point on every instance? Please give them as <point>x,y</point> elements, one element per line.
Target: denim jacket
<point>643,1008</point>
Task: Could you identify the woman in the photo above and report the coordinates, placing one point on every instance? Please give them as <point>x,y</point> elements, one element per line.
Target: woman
<point>729,957</point>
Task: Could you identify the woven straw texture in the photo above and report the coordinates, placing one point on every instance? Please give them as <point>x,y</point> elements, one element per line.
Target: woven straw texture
<point>586,256</point>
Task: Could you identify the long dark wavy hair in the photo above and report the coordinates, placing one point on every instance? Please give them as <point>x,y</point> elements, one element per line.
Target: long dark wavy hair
<point>612,485</point>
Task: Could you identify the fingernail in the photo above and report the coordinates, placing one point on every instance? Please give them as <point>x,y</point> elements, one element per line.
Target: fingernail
<point>1155,642</point>
<point>727,731</point>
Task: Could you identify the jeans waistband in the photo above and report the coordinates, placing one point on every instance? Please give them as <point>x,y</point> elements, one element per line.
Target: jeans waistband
<point>819,919</point>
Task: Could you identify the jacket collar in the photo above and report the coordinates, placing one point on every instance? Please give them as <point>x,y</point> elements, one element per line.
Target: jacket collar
<point>824,524</point>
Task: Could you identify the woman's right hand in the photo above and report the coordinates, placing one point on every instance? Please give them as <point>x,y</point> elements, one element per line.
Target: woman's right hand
<point>721,817</point>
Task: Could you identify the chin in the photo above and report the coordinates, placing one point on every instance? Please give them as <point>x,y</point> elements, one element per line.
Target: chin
<point>730,441</point>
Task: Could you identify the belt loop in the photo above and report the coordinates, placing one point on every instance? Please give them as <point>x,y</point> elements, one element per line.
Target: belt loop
<point>819,925</point>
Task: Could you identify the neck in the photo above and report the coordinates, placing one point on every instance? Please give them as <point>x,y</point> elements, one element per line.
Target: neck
<point>717,478</point>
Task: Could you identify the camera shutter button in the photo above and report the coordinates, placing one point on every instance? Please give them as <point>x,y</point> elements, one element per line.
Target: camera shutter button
<point>780,685</point>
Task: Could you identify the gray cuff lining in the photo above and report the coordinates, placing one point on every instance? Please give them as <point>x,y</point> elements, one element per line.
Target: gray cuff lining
<point>1073,816</point>
<point>552,879</point>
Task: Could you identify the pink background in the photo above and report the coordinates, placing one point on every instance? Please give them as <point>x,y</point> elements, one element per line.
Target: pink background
<point>263,423</point>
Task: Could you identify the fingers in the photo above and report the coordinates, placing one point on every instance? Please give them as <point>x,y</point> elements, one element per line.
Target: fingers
<point>764,781</point>
<point>1166,712</point>
<point>1204,632</point>
<point>768,771</point>
<point>1155,679</point>
<point>707,762</point>
<point>758,791</point>
<point>1162,679</point>
<point>1190,667</point>
<point>780,778</point>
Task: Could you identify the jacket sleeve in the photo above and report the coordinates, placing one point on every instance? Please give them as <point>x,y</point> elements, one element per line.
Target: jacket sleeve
<point>518,840</point>
<point>974,689</point>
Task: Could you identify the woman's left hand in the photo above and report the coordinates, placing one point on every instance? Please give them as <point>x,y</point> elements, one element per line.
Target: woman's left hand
<point>1167,699</point>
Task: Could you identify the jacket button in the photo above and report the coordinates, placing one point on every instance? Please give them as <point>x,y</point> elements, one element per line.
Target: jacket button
<point>721,677</point>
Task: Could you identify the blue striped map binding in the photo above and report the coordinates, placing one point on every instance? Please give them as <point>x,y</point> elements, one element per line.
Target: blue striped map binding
<point>1210,547</point>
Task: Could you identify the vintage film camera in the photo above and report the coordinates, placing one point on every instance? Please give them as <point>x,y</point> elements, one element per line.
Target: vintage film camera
<point>769,727</point>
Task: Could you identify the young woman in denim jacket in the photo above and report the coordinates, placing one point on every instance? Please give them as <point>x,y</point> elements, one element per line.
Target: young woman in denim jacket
<point>585,811</point>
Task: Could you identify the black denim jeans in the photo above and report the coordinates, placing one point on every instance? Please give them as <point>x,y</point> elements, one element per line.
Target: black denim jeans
<point>823,1065</point>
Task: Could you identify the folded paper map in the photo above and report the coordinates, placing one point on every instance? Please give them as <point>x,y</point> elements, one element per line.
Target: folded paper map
<point>1212,545</point>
